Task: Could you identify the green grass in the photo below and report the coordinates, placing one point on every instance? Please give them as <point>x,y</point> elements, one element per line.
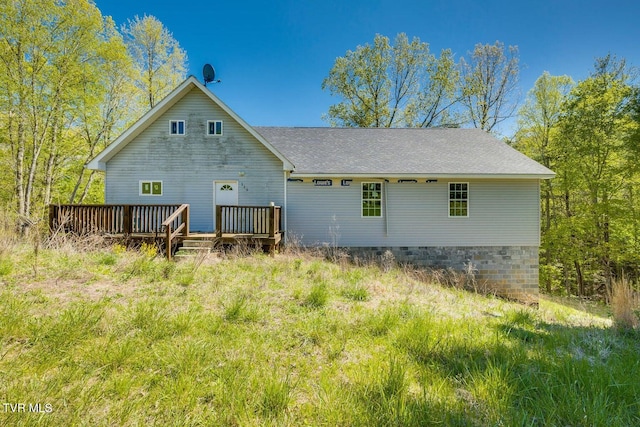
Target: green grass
<point>114,337</point>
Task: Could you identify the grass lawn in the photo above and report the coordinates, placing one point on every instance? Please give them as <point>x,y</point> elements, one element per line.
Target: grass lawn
<point>117,337</point>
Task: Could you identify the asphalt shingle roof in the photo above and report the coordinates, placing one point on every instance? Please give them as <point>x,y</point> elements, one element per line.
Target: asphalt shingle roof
<point>399,151</point>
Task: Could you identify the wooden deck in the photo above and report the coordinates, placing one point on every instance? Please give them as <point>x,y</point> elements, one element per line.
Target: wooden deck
<point>168,225</point>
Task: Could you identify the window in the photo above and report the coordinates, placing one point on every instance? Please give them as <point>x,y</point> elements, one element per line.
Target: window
<point>177,127</point>
<point>151,188</point>
<point>458,199</point>
<point>371,199</point>
<point>226,187</point>
<point>214,127</point>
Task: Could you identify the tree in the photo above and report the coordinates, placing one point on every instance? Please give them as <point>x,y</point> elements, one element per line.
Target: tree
<point>64,90</point>
<point>46,47</point>
<point>536,136</point>
<point>103,110</point>
<point>389,86</point>
<point>595,131</point>
<point>158,57</point>
<point>489,84</point>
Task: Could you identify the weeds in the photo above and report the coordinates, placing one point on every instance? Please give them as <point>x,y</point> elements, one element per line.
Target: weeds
<point>253,340</point>
<point>276,396</point>
<point>625,305</point>
<point>318,296</point>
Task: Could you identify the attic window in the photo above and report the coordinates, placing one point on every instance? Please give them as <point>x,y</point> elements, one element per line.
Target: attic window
<point>176,127</point>
<point>214,127</point>
<point>458,199</point>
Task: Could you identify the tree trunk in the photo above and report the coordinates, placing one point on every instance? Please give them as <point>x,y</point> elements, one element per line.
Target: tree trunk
<point>87,186</point>
<point>579,278</point>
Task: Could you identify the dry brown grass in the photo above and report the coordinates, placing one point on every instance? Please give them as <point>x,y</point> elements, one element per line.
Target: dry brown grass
<point>624,305</point>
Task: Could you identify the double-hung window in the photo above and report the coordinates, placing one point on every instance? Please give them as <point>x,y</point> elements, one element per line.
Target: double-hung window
<point>176,127</point>
<point>458,199</point>
<point>371,199</point>
<point>214,127</point>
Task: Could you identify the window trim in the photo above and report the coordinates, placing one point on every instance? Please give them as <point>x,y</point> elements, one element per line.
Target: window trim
<point>221,128</point>
<point>449,199</point>
<point>177,122</point>
<point>150,182</point>
<point>379,200</point>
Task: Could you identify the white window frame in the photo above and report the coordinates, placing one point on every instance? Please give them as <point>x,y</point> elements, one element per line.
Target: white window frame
<point>214,127</point>
<point>455,199</point>
<point>151,182</point>
<point>177,132</point>
<point>362,199</point>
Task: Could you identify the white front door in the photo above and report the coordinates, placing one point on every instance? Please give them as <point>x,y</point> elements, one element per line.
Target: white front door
<point>224,193</point>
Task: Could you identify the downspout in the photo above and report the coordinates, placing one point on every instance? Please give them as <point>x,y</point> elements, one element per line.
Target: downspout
<point>284,209</point>
<point>386,213</point>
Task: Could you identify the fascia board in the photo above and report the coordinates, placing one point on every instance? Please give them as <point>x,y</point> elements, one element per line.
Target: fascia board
<point>420,176</point>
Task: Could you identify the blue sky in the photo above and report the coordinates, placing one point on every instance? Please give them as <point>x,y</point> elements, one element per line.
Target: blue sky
<point>273,55</point>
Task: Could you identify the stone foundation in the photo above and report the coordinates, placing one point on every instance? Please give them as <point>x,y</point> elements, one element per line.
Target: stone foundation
<point>510,271</point>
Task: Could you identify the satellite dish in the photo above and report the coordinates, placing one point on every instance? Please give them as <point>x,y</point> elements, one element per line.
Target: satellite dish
<point>208,73</point>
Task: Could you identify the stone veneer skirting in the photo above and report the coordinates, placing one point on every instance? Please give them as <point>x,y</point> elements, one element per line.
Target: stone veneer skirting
<point>510,271</point>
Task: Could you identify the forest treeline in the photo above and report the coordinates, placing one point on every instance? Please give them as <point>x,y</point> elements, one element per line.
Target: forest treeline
<point>588,132</point>
<point>71,80</point>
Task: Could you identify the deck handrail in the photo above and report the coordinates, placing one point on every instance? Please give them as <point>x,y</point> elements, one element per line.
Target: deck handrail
<point>182,228</point>
<point>248,220</point>
<point>126,219</point>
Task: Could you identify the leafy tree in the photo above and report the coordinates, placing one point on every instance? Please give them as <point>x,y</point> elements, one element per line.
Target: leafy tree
<point>589,136</point>
<point>489,84</point>
<point>536,136</point>
<point>103,110</point>
<point>384,85</point>
<point>46,46</point>
<point>65,85</point>
<point>595,131</point>
<point>157,56</point>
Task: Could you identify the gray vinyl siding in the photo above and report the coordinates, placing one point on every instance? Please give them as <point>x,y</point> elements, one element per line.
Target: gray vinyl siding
<point>189,164</point>
<point>501,213</point>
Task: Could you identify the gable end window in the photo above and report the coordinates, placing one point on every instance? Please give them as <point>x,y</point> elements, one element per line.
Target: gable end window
<point>214,127</point>
<point>372,199</point>
<point>458,199</point>
<point>151,188</point>
<point>176,127</point>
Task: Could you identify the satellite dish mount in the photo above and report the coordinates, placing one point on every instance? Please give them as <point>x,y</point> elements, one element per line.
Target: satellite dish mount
<point>209,74</point>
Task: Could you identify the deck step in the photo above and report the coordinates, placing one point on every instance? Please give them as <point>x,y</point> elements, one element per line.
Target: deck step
<point>197,243</point>
<point>194,247</point>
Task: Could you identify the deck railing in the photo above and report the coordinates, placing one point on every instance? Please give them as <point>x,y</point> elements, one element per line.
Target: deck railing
<point>112,219</point>
<point>255,220</point>
<point>177,224</point>
<point>165,221</point>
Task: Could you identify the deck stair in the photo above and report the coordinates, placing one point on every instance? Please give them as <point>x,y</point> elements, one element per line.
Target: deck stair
<point>194,246</point>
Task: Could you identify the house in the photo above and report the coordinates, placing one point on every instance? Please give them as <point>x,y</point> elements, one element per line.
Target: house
<point>446,198</point>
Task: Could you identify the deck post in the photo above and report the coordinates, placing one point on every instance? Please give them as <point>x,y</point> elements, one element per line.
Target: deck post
<point>52,213</point>
<point>218,221</point>
<point>185,221</point>
<point>168,242</point>
<point>126,219</point>
<point>272,221</point>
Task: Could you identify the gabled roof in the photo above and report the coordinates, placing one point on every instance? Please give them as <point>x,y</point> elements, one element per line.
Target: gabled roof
<point>99,162</point>
<point>401,152</point>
